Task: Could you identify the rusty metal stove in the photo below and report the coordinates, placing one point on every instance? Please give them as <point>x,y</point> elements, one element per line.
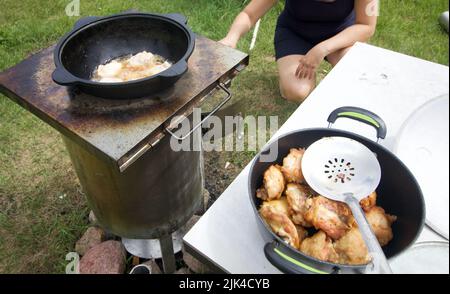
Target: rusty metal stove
<point>112,143</point>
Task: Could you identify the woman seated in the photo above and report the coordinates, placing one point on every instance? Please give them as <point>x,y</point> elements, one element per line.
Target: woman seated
<point>307,32</point>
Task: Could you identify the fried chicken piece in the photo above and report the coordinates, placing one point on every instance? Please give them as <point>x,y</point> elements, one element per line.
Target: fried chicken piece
<point>381,223</point>
<point>320,246</point>
<point>292,166</point>
<point>276,215</point>
<point>274,182</point>
<point>279,205</point>
<point>369,202</point>
<point>352,249</point>
<point>297,196</point>
<point>302,234</point>
<point>261,193</point>
<point>332,217</point>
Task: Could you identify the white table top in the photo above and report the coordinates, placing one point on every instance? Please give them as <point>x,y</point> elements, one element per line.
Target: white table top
<point>388,83</point>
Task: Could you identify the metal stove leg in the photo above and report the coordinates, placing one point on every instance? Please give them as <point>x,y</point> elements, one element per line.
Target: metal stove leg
<point>168,256</point>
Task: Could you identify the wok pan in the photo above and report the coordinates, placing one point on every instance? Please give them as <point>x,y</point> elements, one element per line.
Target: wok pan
<point>98,40</point>
<point>398,193</point>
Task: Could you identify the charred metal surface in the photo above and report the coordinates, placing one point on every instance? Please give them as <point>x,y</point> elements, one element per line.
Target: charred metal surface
<point>117,128</point>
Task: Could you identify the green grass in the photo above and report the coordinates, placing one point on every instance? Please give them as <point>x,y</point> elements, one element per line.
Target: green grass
<point>42,209</point>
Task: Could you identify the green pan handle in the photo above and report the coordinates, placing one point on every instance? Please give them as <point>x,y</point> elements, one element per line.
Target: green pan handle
<point>279,256</point>
<point>361,115</point>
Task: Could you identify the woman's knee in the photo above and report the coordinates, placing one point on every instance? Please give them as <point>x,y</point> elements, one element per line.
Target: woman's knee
<point>297,93</point>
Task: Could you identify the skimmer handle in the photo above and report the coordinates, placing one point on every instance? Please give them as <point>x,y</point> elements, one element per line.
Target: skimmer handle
<point>379,262</point>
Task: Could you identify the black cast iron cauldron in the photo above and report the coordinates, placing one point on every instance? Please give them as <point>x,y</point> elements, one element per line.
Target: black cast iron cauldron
<point>398,193</point>
<point>97,40</point>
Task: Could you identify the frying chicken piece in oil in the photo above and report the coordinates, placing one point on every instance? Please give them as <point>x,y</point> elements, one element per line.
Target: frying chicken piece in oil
<point>381,223</point>
<point>320,246</point>
<point>274,182</point>
<point>369,202</point>
<point>297,196</point>
<point>332,217</point>
<point>276,215</point>
<point>292,166</point>
<point>352,249</point>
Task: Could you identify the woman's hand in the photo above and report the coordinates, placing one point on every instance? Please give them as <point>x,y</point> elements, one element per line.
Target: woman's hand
<point>228,42</point>
<point>246,20</point>
<point>310,63</point>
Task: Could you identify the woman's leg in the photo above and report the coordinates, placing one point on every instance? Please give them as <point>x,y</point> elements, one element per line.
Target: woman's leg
<point>295,89</point>
<point>291,87</point>
<point>335,57</point>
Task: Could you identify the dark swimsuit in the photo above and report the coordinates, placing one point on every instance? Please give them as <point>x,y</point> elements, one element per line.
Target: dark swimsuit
<point>305,23</point>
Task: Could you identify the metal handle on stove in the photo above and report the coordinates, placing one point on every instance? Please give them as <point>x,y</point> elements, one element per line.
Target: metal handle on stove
<point>147,146</point>
<point>228,97</point>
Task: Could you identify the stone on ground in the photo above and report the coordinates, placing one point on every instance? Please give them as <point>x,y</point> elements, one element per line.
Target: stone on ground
<point>155,268</point>
<point>93,236</point>
<point>105,258</point>
<point>92,218</point>
<point>183,271</point>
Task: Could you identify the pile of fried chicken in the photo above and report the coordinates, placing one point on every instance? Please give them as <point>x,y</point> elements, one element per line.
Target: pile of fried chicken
<point>318,227</point>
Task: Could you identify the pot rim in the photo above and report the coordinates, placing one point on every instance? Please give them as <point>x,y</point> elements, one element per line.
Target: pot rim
<point>75,80</point>
<point>298,252</point>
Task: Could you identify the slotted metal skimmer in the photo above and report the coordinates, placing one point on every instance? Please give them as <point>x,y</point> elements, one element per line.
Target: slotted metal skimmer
<point>335,166</point>
<point>345,170</point>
